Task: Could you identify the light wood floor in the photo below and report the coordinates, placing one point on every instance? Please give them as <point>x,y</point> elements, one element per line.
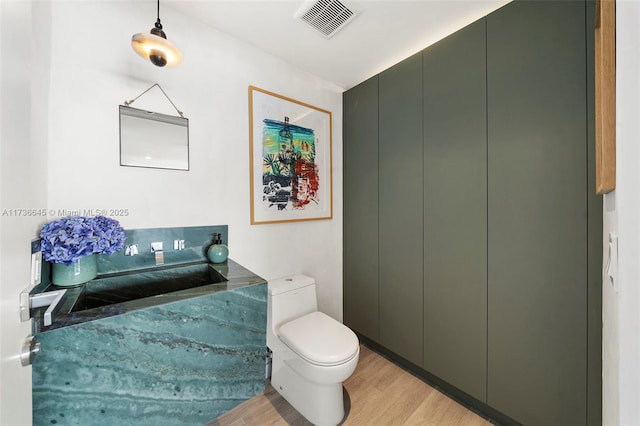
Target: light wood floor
<point>379,393</point>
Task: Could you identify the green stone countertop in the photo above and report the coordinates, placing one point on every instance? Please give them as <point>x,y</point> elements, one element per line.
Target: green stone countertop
<point>237,277</point>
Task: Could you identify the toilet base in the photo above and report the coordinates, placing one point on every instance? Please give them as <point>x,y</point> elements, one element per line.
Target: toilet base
<point>321,404</point>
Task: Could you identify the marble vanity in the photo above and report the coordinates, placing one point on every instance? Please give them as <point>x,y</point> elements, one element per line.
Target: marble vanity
<point>183,357</point>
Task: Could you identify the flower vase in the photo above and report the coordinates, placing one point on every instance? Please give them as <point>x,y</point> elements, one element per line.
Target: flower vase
<point>80,271</point>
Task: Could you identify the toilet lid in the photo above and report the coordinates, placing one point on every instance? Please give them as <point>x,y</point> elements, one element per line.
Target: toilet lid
<point>320,339</point>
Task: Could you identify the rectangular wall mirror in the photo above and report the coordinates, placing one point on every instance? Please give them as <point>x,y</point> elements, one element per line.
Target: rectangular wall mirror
<point>151,139</point>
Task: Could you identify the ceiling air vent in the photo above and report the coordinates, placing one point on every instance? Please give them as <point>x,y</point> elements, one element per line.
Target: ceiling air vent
<point>326,16</point>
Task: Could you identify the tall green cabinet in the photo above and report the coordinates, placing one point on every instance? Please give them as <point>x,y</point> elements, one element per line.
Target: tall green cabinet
<point>455,210</point>
<point>472,232</point>
<point>400,209</point>
<point>538,211</point>
<point>360,106</point>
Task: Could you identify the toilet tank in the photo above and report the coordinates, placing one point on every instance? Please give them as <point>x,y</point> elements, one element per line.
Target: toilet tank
<point>289,298</point>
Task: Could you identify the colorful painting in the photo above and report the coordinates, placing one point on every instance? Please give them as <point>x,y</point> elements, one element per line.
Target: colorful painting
<point>290,159</point>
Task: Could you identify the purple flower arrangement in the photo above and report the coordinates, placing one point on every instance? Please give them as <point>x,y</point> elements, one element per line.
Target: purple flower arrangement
<point>68,239</point>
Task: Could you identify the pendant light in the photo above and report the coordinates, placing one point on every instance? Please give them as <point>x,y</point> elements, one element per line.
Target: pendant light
<point>155,46</point>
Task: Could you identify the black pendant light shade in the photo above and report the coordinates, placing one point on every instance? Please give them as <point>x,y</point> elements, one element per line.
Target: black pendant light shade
<point>155,47</point>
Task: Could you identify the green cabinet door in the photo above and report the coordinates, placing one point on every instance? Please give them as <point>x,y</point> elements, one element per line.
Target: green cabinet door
<point>400,204</point>
<point>537,212</point>
<point>361,208</point>
<point>594,296</point>
<point>455,210</point>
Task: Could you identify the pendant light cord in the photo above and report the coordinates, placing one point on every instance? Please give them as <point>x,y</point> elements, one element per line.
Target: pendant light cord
<point>158,25</point>
<point>127,103</point>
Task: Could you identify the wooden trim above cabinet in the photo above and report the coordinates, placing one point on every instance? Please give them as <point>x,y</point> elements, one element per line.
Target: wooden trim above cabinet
<point>605,95</point>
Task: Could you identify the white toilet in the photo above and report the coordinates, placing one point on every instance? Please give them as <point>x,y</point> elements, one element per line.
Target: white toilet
<point>312,353</point>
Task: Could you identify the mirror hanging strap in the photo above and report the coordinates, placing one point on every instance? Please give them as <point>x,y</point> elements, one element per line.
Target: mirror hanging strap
<point>127,103</point>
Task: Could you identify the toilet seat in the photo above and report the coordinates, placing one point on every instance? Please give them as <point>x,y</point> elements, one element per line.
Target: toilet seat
<point>319,339</point>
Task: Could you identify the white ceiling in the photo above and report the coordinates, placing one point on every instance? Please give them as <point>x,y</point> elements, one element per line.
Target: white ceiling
<point>383,33</point>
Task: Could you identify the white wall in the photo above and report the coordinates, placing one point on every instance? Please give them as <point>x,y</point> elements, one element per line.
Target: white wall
<point>621,299</point>
<point>94,70</point>
<point>60,146</point>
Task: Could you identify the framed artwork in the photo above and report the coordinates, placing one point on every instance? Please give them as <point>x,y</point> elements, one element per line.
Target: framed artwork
<point>290,159</point>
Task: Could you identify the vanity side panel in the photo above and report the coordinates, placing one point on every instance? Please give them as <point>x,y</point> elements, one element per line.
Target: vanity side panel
<point>186,362</point>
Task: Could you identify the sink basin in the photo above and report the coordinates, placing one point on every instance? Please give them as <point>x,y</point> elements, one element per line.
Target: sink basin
<point>140,284</point>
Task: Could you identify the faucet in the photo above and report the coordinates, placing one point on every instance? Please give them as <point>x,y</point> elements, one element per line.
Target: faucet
<point>157,249</point>
<point>131,250</point>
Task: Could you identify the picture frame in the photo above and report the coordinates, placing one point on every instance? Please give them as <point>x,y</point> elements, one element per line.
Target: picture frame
<point>290,154</point>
